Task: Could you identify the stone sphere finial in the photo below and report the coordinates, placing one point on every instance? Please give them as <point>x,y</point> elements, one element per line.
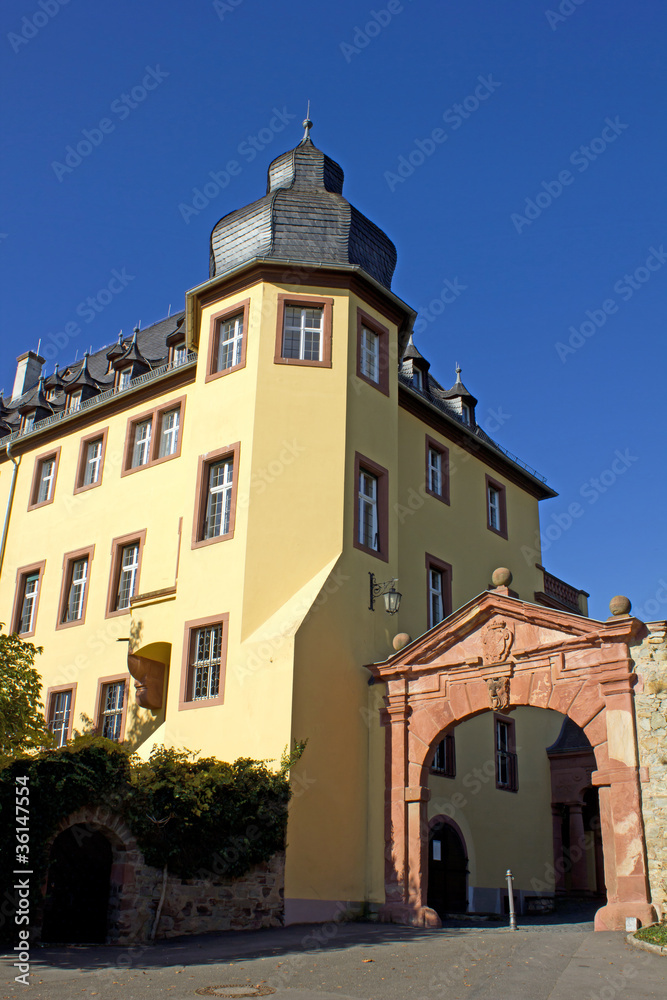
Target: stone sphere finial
<point>400,641</point>
<point>620,605</point>
<point>502,577</point>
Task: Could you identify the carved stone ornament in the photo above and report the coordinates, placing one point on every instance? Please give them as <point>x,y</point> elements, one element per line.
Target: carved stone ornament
<point>499,693</point>
<point>497,640</point>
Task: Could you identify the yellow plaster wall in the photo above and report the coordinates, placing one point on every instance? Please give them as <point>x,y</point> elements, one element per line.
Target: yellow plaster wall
<point>502,829</point>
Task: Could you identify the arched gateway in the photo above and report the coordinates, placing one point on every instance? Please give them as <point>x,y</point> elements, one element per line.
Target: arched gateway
<point>497,653</point>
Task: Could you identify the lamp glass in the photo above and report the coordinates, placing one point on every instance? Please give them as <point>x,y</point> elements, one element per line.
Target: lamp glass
<point>392,601</point>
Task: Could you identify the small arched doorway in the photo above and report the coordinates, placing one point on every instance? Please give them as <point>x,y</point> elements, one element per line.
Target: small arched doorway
<point>77,893</point>
<point>447,868</point>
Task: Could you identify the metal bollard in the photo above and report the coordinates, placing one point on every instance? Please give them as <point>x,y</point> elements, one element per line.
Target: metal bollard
<point>510,897</point>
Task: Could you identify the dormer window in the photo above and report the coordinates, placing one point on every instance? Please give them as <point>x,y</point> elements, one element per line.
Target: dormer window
<point>465,413</point>
<point>28,422</point>
<point>74,401</point>
<point>51,394</point>
<point>417,379</point>
<point>124,378</point>
<point>179,353</point>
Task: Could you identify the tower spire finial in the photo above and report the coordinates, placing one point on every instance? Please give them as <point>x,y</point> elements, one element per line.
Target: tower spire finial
<point>307,124</point>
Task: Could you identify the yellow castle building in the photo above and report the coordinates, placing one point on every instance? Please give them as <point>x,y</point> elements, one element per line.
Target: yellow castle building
<point>215,526</point>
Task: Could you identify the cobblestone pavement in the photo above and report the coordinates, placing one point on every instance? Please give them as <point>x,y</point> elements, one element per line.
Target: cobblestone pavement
<point>356,961</point>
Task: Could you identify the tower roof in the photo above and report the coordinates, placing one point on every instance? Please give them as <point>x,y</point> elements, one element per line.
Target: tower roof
<point>303,217</point>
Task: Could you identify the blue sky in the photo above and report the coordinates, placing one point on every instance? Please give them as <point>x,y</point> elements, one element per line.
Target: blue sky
<point>531,146</point>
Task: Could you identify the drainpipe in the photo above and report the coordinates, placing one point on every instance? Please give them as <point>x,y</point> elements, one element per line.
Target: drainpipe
<point>10,501</point>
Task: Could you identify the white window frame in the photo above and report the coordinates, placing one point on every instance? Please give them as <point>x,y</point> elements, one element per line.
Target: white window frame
<point>180,353</point>
<point>169,434</point>
<point>28,421</point>
<point>111,710</point>
<point>93,460</point>
<point>60,710</point>
<point>74,401</point>
<point>219,509</point>
<point>435,471</point>
<point>291,330</point>
<point>28,602</point>
<point>493,501</point>
<point>141,443</point>
<point>436,596</point>
<point>124,378</point>
<point>128,569</point>
<point>369,363</point>
<point>76,594</point>
<point>46,479</point>
<point>368,511</point>
<point>205,669</point>
<point>230,343</point>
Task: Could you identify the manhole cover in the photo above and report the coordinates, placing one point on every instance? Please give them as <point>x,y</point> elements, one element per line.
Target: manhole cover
<point>236,990</point>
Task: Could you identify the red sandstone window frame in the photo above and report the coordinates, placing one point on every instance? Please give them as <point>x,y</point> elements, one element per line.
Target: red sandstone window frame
<point>117,546</point>
<point>204,464</point>
<point>491,483</point>
<point>432,444</point>
<point>364,319</point>
<point>305,301</point>
<point>512,785</point>
<point>445,570</point>
<point>68,565</point>
<point>449,753</point>
<point>155,417</point>
<point>79,485</point>
<point>217,319</point>
<point>53,454</point>
<point>22,574</point>
<point>363,464</point>
<point>102,684</point>
<point>48,701</point>
<point>186,700</point>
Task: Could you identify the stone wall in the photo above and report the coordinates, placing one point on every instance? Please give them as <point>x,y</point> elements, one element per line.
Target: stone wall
<point>650,659</point>
<point>191,906</point>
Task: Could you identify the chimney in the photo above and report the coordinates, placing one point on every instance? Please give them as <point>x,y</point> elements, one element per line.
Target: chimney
<point>28,373</point>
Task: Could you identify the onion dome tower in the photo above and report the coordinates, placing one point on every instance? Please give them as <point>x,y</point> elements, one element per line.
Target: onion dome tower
<point>303,218</point>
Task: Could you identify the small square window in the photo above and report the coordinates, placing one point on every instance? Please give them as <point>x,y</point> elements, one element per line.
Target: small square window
<point>59,717</point>
<point>437,470</point>
<point>26,599</point>
<point>444,759</point>
<point>126,556</point>
<point>507,777</point>
<point>92,450</point>
<point>111,707</point>
<point>204,659</point>
<point>215,507</point>
<point>303,335</point>
<point>44,479</point>
<point>496,507</point>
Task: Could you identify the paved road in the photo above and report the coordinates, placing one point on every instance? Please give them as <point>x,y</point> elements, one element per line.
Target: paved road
<point>356,962</point>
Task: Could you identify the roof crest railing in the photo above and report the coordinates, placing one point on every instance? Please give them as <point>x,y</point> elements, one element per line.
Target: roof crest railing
<point>95,401</point>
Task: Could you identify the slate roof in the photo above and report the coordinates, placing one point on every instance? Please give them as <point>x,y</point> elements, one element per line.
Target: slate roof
<point>303,217</point>
<point>92,370</point>
<point>571,737</point>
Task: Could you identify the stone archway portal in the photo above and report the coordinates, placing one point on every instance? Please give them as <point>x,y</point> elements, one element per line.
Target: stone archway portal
<point>499,652</point>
